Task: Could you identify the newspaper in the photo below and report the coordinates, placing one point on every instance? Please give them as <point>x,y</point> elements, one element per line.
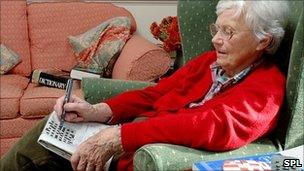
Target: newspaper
<point>64,139</point>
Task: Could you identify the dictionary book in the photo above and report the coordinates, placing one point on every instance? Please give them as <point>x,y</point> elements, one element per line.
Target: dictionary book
<point>49,78</point>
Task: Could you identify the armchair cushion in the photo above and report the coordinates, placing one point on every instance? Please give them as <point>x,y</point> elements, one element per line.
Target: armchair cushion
<point>159,156</point>
<point>141,60</point>
<point>96,90</point>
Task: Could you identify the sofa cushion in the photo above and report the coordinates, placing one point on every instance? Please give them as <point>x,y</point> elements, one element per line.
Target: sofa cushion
<point>14,33</point>
<point>6,144</point>
<point>14,80</point>
<point>97,49</point>
<point>15,128</point>
<point>141,60</point>
<point>49,30</point>
<point>9,59</point>
<point>12,88</point>
<point>39,101</point>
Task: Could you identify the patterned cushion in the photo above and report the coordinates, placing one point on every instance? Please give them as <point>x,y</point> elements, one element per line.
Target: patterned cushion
<point>44,96</point>
<point>12,88</point>
<point>97,49</point>
<point>160,156</point>
<point>9,102</point>
<point>6,144</point>
<point>13,128</point>
<point>14,33</point>
<point>8,59</point>
<point>49,30</point>
<point>141,60</point>
<point>14,80</point>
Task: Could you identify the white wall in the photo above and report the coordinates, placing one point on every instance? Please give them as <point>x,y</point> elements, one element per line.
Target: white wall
<point>146,12</point>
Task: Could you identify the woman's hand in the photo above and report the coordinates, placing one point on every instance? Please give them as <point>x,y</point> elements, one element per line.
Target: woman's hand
<point>93,153</point>
<point>78,110</point>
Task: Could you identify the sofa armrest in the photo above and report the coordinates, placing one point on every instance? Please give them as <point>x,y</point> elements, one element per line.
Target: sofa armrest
<point>174,157</point>
<point>141,60</point>
<point>98,89</point>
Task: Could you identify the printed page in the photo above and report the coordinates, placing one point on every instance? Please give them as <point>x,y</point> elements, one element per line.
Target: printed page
<point>66,137</point>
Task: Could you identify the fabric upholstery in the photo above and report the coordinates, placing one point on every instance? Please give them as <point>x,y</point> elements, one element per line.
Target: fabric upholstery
<point>194,28</point>
<point>9,59</point>
<point>160,156</point>
<point>291,124</point>
<point>141,60</point>
<point>96,90</point>
<point>6,144</point>
<point>14,33</point>
<point>12,88</point>
<point>97,49</point>
<point>192,18</point>
<point>14,80</point>
<point>44,96</point>
<point>14,128</point>
<point>49,30</point>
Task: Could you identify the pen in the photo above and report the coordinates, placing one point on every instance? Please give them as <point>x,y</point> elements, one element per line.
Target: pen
<point>68,92</point>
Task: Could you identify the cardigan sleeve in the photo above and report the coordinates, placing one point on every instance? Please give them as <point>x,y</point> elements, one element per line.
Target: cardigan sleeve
<point>130,104</point>
<point>230,122</point>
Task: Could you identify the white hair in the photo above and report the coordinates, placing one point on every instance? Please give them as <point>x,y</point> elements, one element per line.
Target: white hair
<point>263,18</point>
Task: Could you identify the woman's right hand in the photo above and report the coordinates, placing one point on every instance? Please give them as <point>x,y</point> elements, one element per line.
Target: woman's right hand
<point>79,110</point>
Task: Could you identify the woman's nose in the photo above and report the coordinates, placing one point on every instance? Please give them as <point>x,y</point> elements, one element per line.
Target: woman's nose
<point>217,39</point>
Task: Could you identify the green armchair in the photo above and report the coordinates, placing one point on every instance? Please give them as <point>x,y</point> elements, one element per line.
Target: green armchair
<point>194,18</point>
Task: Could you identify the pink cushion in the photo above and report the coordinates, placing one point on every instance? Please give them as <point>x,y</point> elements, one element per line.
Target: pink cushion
<point>141,60</point>
<point>14,33</point>
<point>12,88</point>
<point>14,80</point>
<point>14,128</point>
<point>49,30</point>
<point>6,144</point>
<point>39,101</point>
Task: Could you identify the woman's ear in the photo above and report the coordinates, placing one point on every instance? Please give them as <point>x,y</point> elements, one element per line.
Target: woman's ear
<point>265,42</point>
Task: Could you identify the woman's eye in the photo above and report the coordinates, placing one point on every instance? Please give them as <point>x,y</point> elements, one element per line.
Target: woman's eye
<point>228,30</point>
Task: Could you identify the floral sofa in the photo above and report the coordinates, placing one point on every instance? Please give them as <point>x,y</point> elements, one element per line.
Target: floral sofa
<point>37,32</point>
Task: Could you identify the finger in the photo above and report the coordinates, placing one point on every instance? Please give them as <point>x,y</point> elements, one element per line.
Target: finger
<point>82,164</point>
<point>98,167</point>
<point>75,107</point>
<point>90,167</point>
<point>58,106</point>
<point>73,117</point>
<point>75,160</point>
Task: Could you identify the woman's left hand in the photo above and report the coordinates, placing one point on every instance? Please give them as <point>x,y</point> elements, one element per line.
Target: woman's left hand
<point>93,153</point>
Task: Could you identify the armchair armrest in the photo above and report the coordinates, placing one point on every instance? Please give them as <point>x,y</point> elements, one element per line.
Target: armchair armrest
<point>141,60</point>
<point>174,157</point>
<point>98,89</point>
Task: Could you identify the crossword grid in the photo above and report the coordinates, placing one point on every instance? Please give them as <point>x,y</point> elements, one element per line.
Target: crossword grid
<point>60,132</point>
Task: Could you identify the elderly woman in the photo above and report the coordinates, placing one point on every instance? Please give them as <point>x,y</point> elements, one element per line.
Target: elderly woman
<point>221,100</point>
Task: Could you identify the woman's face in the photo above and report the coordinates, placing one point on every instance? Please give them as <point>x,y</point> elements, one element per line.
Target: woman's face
<point>241,50</point>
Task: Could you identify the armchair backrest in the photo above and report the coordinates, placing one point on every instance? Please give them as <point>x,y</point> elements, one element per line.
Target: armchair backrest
<point>195,16</point>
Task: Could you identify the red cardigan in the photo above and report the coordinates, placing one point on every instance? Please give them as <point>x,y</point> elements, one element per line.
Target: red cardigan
<point>236,117</point>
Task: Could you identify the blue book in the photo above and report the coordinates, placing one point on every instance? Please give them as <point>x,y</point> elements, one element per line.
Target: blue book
<point>290,159</point>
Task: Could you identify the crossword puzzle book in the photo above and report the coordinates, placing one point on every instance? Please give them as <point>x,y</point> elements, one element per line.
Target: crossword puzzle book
<point>63,140</point>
